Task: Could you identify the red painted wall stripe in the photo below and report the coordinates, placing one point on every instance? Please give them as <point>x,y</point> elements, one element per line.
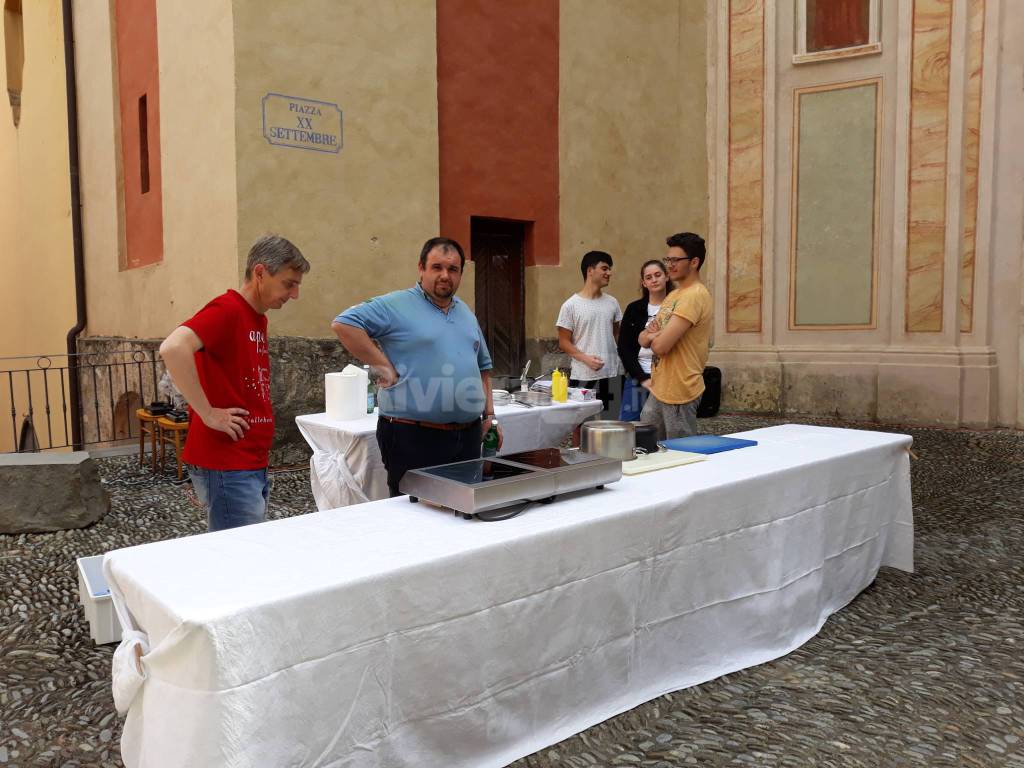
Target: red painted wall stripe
<point>497,94</point>
<point>138,75</point>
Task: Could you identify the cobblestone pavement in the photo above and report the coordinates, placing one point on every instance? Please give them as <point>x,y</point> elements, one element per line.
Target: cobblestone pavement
<point>921,669</point>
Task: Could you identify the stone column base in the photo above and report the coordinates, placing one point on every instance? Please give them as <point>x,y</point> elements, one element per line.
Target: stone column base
<point>950,387</point>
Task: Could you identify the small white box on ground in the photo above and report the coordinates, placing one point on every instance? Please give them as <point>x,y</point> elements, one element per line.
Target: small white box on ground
<point>94,595</point>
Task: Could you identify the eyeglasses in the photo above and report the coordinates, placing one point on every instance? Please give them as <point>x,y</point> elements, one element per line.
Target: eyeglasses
<point>670,260</point>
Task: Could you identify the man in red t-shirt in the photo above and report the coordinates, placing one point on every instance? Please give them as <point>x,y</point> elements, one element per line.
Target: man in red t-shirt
<point>220,361</point>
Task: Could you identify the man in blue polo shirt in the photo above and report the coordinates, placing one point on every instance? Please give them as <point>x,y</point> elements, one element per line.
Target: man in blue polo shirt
<point>432,366</point>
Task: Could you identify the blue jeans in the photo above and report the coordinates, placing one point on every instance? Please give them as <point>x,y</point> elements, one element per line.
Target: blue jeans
<point>634,395</point>
<point>233,497</point>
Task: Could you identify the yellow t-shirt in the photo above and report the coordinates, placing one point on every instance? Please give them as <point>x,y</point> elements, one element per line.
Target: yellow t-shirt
<point>677,376</point>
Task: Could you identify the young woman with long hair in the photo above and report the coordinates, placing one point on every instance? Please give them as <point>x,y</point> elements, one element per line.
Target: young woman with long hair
<point>654,285</point>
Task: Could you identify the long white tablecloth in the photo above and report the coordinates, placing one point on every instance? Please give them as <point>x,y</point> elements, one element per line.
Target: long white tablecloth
<point>346,467</point>
<point>391,634</point>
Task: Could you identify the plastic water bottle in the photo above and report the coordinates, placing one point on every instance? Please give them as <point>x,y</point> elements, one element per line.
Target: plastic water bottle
<point>371,391</point>
<point>491,440</point>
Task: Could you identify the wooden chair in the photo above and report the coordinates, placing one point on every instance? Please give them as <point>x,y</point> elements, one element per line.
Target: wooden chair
<point>171,432</point>
<point>147,426</point>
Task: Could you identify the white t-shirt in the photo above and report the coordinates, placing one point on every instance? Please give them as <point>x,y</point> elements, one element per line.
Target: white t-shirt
<point>646,356</point>
<point>590,321</point>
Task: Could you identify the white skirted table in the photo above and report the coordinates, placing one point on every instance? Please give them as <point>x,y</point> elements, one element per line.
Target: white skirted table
<point>346,467</point>
<point>393,635</point>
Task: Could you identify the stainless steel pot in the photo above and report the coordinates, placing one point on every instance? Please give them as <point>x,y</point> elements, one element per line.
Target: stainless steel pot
<point>614,439</point>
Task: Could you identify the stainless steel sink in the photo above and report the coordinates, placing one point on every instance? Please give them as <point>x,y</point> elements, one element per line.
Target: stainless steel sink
<point>531,398</point>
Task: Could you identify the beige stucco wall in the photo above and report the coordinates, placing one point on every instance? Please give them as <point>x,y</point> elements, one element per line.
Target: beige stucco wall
<point>632,94</point>
<point>35,194</point>
<point>632,154</point>
<point>36,251</point>
<point>197,162</point>
<point>99,151</point>
<point>360,216</point>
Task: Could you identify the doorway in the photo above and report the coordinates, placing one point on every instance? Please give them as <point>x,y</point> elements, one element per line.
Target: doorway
<point>498,247</point>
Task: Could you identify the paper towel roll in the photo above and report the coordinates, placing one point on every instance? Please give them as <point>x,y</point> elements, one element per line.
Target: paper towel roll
<point>345,393</point>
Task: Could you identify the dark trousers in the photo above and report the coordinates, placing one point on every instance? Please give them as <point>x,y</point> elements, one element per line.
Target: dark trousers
<point>409,446</point>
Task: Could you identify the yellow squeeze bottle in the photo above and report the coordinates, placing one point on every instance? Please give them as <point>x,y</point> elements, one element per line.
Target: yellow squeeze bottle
<point>559,387</point>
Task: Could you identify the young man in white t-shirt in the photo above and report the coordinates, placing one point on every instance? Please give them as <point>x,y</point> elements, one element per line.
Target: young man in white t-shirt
<point>588,328</point>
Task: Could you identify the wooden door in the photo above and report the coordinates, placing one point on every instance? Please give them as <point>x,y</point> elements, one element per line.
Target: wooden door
<point>497,252</point>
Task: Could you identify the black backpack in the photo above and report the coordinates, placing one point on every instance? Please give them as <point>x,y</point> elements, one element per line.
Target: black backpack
<point>712,397</point>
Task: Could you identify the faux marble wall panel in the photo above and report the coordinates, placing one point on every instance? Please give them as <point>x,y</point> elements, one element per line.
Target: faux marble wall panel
<point>746,166</point>
<point>972,132</point>
<point>926,214</point>
<point>833,264</point>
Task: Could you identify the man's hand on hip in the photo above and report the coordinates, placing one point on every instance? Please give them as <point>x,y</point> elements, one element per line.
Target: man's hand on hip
<point>593,362</point>
<point>386,376</point>
<point>228,420</point>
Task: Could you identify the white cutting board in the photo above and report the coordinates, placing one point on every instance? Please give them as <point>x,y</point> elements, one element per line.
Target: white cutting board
<point>660,460</point>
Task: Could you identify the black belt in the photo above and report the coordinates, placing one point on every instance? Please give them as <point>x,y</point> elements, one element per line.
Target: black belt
<point>452,426</point>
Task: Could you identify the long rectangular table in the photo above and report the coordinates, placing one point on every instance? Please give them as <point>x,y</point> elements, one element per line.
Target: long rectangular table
<point>346,466</point>
<point>390,634</point>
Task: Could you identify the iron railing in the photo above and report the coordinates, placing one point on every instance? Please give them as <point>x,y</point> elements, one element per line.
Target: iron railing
<point>48,411</point>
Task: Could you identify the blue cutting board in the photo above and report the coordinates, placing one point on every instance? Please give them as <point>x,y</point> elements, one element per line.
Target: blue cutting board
<point>706,443</point>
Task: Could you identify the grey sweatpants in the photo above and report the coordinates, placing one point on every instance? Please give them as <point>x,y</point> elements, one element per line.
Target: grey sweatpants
<point>671,420</point>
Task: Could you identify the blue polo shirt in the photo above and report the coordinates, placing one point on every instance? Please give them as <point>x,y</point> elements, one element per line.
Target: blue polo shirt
<point>438,355</point>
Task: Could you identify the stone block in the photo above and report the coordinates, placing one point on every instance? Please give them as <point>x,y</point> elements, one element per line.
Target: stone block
<point>979,393</point>
<point>49,492</point>
<point>843,391</point>
<point>919,394</point>
<point>750,388</point>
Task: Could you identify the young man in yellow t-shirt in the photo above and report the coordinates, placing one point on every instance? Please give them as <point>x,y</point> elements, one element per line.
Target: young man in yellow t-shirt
<point>680,338</point>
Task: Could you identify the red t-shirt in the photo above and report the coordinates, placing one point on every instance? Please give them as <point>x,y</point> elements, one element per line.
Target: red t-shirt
<point>234,369</point>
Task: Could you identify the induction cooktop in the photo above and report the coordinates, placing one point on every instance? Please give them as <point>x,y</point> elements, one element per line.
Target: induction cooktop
<point>499,488</point>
